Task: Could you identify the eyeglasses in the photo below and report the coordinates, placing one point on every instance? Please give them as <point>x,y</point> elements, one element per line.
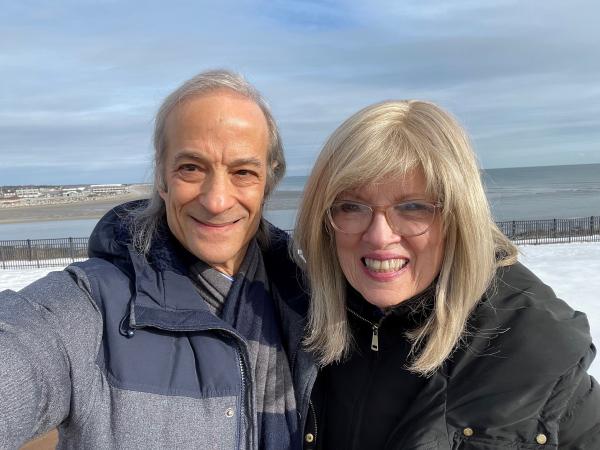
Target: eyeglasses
<point>411,218</point>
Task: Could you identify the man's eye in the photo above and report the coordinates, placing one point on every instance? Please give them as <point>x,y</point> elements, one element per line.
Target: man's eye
<point>188,167</point>
<point>246,173</point>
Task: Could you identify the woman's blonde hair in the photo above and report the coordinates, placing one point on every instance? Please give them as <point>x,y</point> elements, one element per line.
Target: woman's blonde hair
<point>391,139</point>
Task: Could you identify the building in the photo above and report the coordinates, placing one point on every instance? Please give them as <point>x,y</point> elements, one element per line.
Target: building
<point>28,193</point>
<point>73,192</point>
<point>108,189</point>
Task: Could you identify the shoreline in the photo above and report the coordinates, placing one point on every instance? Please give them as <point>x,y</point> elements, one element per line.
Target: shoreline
<point>84,210</point>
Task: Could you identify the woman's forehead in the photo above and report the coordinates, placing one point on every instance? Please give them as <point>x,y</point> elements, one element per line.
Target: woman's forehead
<point>412,184</point>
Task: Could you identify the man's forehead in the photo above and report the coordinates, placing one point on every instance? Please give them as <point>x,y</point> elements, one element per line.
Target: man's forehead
<point>218,104</point>
<point>221,125</point>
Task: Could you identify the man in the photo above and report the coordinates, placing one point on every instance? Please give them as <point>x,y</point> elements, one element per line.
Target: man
<point>183,330</point>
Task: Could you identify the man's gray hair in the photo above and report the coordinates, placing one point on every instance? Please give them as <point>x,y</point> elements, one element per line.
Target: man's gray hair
<point>145,221</point>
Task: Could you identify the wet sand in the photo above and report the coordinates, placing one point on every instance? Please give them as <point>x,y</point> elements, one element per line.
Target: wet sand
<point>63,211</point>
<point>94,209</point>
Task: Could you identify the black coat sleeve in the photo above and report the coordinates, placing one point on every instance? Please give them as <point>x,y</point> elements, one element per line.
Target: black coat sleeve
<point>579,427</point>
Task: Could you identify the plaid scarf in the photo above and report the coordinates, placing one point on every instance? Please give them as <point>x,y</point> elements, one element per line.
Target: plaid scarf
<point>247,305</point>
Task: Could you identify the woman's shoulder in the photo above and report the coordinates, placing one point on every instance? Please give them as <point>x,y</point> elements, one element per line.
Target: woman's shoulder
<point>522,325</point>
<point>518,299</point>
<point>524,356</point>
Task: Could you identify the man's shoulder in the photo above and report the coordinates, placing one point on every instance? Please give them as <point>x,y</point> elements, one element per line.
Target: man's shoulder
<point>60,299</point>
<point>283,272</point>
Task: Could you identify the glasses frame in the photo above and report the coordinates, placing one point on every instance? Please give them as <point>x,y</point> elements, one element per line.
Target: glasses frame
<point>384,209</point>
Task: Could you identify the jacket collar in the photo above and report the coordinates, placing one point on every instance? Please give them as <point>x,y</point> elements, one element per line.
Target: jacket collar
<point>164,297</point>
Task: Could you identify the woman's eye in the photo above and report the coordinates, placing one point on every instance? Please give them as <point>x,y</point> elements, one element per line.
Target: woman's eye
<point>350,207</point>
<point>413,206</point>
<point>420,208</point>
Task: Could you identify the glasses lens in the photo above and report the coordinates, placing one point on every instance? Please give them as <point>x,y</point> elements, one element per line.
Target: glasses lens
<point>411,218</point>
<point>350,217</point>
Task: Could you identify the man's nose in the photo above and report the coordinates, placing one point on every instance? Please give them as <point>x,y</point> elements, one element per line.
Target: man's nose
<point>216,195</point>
<point>380,234</point>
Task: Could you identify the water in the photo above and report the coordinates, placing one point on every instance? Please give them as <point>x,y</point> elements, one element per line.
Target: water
<point>544,192</point>
<point>514,193</point>
<point>47,230</point>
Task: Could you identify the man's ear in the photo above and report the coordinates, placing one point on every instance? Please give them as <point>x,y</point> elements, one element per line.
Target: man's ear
<point>163,194</point>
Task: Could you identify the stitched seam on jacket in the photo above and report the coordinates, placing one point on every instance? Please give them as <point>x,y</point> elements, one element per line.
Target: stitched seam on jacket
<point>88,407</point>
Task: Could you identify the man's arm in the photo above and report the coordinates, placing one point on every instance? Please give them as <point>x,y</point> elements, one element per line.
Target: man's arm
<point>43,346</point>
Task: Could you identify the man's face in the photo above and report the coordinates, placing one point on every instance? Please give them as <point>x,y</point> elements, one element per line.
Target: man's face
<point>215,174</point>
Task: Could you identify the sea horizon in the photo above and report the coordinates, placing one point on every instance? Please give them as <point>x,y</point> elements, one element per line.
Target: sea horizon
<point>516,193</point>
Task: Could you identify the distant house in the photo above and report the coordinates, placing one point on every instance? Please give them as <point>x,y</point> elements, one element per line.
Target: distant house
<point>73,192</point>
<point>108,189</point>
<point>7,193</point>
<point>28,193</point>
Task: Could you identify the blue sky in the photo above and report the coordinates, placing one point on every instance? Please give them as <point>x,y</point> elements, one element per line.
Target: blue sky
<point>81,79</point>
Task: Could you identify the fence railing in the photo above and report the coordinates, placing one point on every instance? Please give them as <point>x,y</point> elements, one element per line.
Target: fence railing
<point>581,229</point>
<point>17,254</point>
<point>40,253</point>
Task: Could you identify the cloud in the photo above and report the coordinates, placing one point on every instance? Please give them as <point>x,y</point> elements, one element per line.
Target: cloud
<point>82,79</point>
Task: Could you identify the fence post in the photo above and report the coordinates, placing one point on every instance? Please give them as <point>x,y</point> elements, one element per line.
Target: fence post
<point>554,228</point>
<point>514,229</point>
<point>591,225</point>
<point>29,253</point>
<point>2,257</point>
<point>71,249</point>
<point>570,229</point>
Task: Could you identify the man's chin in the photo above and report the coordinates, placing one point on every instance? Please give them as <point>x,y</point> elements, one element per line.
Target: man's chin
<point>225,258</point>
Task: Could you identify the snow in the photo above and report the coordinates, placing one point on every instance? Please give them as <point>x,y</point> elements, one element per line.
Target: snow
<point>572,270</point>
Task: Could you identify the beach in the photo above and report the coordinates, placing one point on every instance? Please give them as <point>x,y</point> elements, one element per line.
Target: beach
<point>94,209</point>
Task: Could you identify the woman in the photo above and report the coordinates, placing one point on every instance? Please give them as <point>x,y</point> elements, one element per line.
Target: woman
<point>429,332</point>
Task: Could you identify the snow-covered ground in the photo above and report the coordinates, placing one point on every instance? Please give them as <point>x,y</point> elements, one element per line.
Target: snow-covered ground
<point>572,270</point>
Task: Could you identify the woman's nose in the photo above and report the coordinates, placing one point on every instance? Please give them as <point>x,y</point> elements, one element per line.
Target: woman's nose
<point>380,233</point>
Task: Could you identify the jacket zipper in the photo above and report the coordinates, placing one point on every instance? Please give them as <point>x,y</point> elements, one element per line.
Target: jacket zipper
<point>374,327</point>
<point>243,425</point>
<point>238,340</point>
<point>314,413</point>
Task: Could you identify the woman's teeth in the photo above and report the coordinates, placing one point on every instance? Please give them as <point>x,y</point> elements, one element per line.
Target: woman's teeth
<point>385,265</point>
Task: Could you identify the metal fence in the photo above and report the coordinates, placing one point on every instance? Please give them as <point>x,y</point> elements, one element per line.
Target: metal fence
<point>42,252</point>
<point>581,229</point>
<point>61,252</point>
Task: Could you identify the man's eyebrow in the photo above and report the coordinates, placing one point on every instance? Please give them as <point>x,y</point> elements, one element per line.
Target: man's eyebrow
<point>246,162</point>
<point>185,154</point>
<point>199,157</point>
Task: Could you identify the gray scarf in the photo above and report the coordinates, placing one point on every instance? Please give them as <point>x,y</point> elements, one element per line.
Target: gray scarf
<point>247,305</point>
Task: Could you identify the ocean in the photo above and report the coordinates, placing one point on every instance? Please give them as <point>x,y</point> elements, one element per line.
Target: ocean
<point>544,192</point>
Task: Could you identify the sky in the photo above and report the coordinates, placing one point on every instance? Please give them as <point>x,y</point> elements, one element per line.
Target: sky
<point>82,79</point>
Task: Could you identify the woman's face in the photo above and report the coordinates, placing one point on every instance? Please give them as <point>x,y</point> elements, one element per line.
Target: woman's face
<point>384,266</point>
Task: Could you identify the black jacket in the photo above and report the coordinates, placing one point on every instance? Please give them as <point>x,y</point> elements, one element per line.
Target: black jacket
<point>519,381</point>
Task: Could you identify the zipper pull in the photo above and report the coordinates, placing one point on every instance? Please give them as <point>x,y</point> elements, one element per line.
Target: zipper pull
<point>375,338</point>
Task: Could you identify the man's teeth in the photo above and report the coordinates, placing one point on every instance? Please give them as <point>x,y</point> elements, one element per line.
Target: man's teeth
<point>385,265</point>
